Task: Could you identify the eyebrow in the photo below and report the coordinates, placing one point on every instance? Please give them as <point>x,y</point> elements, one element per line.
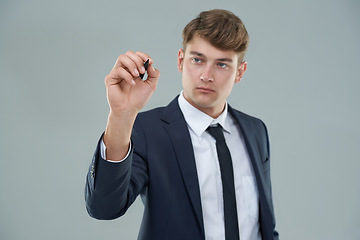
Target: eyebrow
<point>203,56</point>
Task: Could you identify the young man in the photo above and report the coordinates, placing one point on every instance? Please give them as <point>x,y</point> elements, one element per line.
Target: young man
<point>194,185</point>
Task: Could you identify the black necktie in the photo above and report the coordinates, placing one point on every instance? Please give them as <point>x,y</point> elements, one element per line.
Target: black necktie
<point>227,178</point>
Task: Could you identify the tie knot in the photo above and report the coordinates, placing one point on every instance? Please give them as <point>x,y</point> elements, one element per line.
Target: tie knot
<point>216,132</point>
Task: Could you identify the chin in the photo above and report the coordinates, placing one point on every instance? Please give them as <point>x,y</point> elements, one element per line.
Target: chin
<point>204,104</point>
<point>205,100</point>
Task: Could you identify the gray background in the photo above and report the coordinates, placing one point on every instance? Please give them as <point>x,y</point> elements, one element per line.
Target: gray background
<point>302,80</point>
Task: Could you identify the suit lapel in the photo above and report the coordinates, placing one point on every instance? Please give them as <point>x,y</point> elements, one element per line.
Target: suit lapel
<point>177,129</point>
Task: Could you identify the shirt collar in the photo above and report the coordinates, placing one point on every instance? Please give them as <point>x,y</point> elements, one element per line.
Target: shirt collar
<point>199,121</point>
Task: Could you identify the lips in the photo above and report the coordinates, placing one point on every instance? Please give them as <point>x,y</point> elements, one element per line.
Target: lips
<point>205,89</point>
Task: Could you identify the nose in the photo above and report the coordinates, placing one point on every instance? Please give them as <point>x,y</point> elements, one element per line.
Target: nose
<point>207,74</point>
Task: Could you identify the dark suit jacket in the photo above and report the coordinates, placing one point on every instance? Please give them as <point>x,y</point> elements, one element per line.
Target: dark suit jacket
<point>161,168</point>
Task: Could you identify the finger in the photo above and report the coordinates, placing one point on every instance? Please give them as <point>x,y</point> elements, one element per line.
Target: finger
<point>153,73</point>
<point>145,57</point>
<point>138,58</point>
<point>118,75</point>
<point>127,63</point>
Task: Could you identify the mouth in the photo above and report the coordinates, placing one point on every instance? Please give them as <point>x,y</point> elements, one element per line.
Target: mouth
<point>205,89</point>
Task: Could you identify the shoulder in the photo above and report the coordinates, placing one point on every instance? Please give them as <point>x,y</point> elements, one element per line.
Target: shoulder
<point>246,119</point>
<point>252,128</point>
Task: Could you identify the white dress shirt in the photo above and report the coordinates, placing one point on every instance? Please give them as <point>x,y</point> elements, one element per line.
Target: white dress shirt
<point>208,170</point>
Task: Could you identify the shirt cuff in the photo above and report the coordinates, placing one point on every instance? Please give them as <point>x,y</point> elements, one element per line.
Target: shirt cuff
<point>103,152</point>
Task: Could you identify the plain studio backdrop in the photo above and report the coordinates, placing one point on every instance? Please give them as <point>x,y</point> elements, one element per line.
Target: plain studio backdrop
<point>302,80</point>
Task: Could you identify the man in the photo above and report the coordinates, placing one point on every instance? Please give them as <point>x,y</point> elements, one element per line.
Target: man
<point>194,185</point>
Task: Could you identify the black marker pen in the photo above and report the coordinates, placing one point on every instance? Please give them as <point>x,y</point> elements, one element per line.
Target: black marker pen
<point>146,65</point>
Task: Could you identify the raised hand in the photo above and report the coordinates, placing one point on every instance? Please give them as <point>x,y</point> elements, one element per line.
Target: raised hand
<point>127,93</point>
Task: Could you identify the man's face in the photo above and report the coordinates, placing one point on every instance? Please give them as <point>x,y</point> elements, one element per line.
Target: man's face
<point>208,75</point>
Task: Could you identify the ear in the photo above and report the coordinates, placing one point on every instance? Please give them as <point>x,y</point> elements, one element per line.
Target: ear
<point>240,71</point>
<point>180,59</point>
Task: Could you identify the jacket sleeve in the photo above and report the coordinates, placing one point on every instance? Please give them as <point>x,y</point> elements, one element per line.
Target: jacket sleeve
<point>112,187</point>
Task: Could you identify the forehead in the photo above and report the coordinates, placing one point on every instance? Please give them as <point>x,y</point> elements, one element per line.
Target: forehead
<point>207,50</point>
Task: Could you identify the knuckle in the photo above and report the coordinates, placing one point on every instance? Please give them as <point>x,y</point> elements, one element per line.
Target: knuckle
<point>129,52</point>
<point>120,71</point>
<point>121,57</point>
<point>107,79</point>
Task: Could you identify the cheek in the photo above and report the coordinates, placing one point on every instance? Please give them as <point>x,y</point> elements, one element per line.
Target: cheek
<point>190,77</point>
<point>226,79</point>
<point>187,79</point>
<point>191,69</point>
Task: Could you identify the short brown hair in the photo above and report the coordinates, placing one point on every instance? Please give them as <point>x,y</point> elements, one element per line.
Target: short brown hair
<point>222,28</point>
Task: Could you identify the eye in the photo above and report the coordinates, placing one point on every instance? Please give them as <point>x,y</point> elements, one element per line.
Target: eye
<point>196,60</point>
<point>222,65</point>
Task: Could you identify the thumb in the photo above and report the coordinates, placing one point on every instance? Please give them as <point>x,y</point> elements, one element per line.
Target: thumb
<point>153,74</point>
